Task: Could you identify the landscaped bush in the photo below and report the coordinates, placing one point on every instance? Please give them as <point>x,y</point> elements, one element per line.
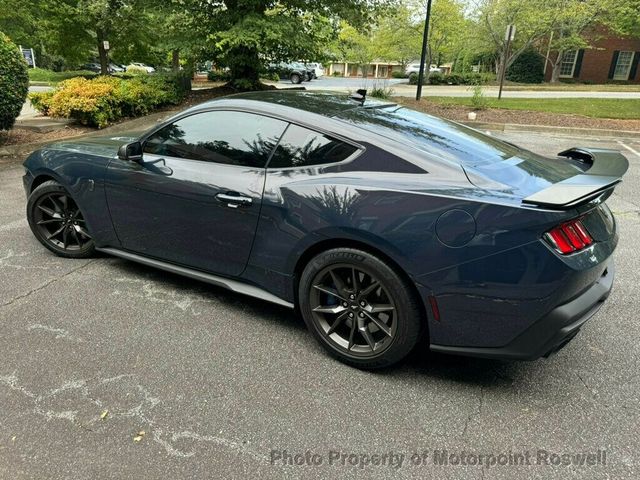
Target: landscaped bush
<point>14,82</point>
<point>468,78</point>
<point>218,76</point>
<point>103,100</point>
<point>44,75</point>
<point>527,68</point>
<point>398,74</point>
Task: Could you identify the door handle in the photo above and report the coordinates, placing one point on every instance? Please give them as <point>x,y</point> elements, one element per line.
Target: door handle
<point>234,200</point>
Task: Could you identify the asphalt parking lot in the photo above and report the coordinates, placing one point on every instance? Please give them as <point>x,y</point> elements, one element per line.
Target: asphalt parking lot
<point>95,352</point>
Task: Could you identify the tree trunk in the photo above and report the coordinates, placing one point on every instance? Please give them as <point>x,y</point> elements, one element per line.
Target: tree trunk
<point>243,62</point>
<point>104,62</point>
<point>555,72</point>
<point>175,60</point>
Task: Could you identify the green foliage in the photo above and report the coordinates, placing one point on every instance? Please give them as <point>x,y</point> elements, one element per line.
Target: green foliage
<point>104,100</point>
<point>478,100</point>
<point>382,91</point>
<point>399,74</point>
<point>527,68</point>
<point>43,75</point>
<point>469,78</point>
<point>14,82</point>
<point>218,76</point>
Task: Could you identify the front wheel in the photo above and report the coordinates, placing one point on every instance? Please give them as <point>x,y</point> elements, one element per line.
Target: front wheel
<point>57,222</point>
<point>295,78</point>
<point>359,308</point>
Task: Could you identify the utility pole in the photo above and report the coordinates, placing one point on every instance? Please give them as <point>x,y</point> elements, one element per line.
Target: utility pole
<point>508,36</point>
<point>423,56</point>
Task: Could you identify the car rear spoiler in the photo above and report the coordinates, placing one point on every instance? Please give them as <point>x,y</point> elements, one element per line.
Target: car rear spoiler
<point>606,168</point>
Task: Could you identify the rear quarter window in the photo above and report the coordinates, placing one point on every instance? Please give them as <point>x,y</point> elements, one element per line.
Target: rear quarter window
<point>302,147</point>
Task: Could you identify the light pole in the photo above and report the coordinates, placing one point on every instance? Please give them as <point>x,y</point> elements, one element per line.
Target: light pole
<point>423,56</point>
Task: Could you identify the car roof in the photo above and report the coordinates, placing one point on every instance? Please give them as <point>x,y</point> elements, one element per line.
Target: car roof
<point>328,104</point>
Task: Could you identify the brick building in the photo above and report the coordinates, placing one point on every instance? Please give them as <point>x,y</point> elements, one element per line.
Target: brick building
<point>610,59</point>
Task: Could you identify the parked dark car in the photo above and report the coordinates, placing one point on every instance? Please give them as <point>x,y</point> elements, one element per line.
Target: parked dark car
<point>295,72</point>
<point>381,225</point>
<point>92,67</point>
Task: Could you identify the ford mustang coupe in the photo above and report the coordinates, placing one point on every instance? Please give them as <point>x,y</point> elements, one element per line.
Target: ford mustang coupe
<point>381,225</point>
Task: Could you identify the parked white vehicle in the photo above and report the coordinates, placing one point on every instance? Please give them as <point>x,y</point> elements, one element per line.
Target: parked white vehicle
<point>415,68</point>
<point>136,65</point>
<point>317,68</point>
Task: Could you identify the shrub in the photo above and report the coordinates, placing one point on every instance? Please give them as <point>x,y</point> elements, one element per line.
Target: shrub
<point>398,74</point>
<point>14,82</point>
<point>44,75</point>
<point>337,74</point>
<point>218,76</point>
<point>527,68</point>
<point>478,100</point>
<point>469,78</point>
<point>381,91</point>
<point>103,100</point>
<point>135,70</point>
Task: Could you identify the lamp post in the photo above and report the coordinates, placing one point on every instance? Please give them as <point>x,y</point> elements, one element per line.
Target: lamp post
<point>423,56</point>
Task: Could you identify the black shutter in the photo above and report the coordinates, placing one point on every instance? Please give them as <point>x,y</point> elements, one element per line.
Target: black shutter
<point>578,66</point>
<point>634,66</point>
<point>614,60</point>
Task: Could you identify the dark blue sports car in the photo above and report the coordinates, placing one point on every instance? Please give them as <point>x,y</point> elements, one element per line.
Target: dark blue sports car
<point>381,225</point>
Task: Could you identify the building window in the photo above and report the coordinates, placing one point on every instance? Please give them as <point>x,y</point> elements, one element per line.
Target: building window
<point>568,63</point>
<point>623,66</point>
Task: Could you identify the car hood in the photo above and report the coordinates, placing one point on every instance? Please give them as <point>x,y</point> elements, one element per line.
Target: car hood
<point>100,145</point>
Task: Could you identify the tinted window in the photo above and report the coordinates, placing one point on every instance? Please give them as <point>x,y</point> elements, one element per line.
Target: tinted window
<point>301,147</point>
<point>445,139</point>
<point>233,138</point>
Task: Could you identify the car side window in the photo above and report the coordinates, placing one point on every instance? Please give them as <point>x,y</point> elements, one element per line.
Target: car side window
<point>228,137</point>
<point>301,147</point>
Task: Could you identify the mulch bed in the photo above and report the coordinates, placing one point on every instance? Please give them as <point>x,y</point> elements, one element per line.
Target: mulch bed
<point>21,136</point>
<point>521,117</point>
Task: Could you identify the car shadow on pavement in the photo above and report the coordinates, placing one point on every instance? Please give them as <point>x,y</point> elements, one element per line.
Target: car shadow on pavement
<point>422,362</point>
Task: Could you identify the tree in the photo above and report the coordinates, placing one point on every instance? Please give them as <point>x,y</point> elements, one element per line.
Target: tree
<point>532,18</point>
<point>398,37</point>
<point>355,47</point>
<point>570,20</point>
<point>248,34</point>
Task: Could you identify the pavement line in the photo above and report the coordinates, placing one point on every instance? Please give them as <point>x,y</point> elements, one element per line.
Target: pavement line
<point>629,148</point>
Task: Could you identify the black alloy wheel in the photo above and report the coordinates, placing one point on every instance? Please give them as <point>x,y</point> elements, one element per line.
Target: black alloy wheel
<point>359,308</point>
<point>57,221</point>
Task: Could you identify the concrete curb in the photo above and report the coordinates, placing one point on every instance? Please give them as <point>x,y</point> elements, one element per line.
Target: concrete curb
<point>568,131</point>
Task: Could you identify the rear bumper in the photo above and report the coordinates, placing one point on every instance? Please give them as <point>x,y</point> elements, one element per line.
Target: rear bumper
<point>551,332</point>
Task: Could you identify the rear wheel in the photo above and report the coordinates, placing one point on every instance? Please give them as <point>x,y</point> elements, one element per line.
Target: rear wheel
<point>57,222</point>
<point>359,308</point>
<point>295,78</point>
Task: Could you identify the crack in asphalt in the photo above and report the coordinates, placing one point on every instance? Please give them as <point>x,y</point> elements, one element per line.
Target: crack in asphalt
<point>142,413</point>
<point>477,412</point>
<point>46,284</point>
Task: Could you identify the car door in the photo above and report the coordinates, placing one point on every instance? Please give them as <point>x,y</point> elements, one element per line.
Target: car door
<point>195,196</point>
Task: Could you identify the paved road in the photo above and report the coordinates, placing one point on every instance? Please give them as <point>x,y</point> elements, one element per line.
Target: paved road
<point>217,381</point>
<point>402,88</point>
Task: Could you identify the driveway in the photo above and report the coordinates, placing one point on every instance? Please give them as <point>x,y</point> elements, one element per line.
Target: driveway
<point>112,370</point>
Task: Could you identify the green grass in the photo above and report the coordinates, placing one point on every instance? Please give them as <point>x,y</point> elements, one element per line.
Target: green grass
<point>574,87</point>
<point>590,107</point>
<point>40,75</point>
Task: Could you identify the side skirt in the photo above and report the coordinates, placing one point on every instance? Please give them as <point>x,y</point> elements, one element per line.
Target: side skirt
<point>233,285</point>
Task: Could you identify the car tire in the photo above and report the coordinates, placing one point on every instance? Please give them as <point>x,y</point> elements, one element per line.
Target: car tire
<point>360,309</point>
<point>295,78</point>
<point>57,221</point>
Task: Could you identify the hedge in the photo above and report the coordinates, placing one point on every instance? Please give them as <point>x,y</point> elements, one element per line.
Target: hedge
<point>470,78</point>
<point>527,68</point>
<point>104,100</point>
<point>14,82</point>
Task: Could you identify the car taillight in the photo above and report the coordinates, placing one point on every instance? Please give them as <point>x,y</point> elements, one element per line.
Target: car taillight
<point>569,237</point>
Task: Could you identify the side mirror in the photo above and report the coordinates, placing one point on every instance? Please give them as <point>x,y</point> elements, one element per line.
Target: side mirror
<point>131,152</point>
